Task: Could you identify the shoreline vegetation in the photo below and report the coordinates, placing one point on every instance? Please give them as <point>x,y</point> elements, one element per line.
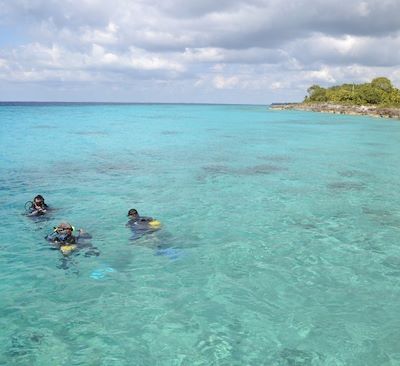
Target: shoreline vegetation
<point>376,99</point>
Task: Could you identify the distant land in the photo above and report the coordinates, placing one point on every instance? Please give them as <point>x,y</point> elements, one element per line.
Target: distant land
<point>379,98</point>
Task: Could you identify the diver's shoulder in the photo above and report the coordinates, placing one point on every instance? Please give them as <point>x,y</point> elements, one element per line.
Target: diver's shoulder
<point>145,219</point>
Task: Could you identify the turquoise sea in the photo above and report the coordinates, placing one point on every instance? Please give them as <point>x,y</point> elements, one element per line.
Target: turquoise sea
<point>279,245</point>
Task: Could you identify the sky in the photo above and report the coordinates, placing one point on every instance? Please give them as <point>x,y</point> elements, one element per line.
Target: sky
<point>193,51</point>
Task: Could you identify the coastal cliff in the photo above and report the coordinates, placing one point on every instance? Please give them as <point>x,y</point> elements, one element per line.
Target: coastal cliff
<point>373,111</point>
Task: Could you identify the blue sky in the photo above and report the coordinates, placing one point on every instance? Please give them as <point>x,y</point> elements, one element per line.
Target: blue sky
<point>226,51</point>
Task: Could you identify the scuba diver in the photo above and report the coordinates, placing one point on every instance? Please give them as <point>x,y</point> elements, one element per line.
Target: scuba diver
<point>141,225</point>
<point>37,207</point>
<point>67,243</point>
<point>62,234</point>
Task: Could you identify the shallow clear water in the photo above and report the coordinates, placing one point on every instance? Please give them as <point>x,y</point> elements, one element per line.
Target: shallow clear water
<point>279,246</point>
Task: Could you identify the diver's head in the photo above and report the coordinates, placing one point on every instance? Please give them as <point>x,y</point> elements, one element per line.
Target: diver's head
<point>64,227</point>
<point>38,200</point>
<point>132,213</point>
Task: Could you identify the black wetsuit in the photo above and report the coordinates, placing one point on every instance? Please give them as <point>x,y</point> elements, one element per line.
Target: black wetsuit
<point>140,226</point>
<point>34,211</point>
<point>61,239</point>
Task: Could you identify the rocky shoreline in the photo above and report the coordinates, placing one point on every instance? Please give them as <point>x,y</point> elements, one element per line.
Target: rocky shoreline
<point>372,111</point>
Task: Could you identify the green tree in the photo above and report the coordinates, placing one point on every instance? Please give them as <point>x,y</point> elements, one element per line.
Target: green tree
<point>379,91</point>
<point>368,94</point>
<point>382,83</point>
<point>316,94</point>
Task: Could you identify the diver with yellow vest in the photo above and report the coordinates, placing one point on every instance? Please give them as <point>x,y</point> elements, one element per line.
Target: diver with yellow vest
<point>66,242</point>
<point>141,225</point>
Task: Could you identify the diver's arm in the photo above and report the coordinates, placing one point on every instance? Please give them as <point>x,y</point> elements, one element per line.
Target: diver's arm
<point>36,211</point>
<point>41,209</point>
<point>53,237</point>
<point>33,213</point>
<point>82,234</point>
<point>132,223</point>
<point>45,208</point>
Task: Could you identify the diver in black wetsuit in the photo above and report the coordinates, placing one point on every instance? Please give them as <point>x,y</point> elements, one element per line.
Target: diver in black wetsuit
<point>141,225</point>
<point>67,243</point>
<point>38,207</point>
<point>62,235</point>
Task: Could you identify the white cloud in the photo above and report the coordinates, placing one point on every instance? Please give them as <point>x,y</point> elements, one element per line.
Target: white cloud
<point>323,75</point>
<point>35,62</point>
<point>218,67</point>
<point>221,82</point>
<point>207,54</point>
<point>3,63</point>
<point>276,85</point>
<point>100,36</point>
<point>145,61</point>
<point>363,8</point>
<point>347,50</point>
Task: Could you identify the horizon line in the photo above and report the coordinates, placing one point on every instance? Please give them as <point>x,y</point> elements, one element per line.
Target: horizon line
<point>123,103</point>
